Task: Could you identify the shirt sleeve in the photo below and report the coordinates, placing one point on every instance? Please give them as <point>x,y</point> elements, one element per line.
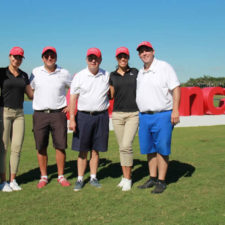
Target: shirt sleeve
<point>26,79</point>
<point>75,85</point>
<point>172,78</point>
<point>32,81</point>
<point>110,79</point>
<point>69,78</point>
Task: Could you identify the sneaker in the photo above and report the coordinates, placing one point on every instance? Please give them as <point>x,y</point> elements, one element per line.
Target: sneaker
<point>42,182</point>
<point>78,185</point>
<point>149,183</point>
<point>63,181</point>
<point>127,185</point>
<point>14,186</point>
<point>159,187</point>
<point>94,182</point>
<point>5,187</point>
<point>121,183</point>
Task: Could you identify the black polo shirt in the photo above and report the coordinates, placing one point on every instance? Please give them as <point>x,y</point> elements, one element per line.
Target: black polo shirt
<point>12,88</point>
<point>125,90</point>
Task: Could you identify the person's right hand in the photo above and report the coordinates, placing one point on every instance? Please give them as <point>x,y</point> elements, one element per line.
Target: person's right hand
<point>72,125</point>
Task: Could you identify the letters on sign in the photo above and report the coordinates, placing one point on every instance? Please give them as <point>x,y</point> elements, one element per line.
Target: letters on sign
<point>194,101</point>
<point>199,101</point>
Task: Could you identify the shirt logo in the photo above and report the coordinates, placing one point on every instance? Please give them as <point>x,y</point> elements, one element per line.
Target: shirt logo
<point>131,74</point>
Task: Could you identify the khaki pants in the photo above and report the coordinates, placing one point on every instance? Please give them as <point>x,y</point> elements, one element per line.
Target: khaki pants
<point>11,129</point>
<point>125,126</point>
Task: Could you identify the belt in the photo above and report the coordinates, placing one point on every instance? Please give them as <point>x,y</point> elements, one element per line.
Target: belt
<point>153,112</point>
<point>93,113</point>
<point>50,110</point>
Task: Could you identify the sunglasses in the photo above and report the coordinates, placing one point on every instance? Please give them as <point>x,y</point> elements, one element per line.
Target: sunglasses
<point>144,49</point>
<point>51,55</point>
<point>18,57</point>
<point>92,57</point>
<point>123,55</point>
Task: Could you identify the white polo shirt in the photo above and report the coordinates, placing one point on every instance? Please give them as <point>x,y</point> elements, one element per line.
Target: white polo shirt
<point>92,90</point>
<point>50,88</point>
<point>154,87</point>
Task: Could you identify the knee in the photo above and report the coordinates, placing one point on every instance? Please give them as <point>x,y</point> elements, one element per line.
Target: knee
<point>42,151</point>
<point>94,154</point>
<point>16,149</point>
<point>126,149</point>
<point>83,154</point>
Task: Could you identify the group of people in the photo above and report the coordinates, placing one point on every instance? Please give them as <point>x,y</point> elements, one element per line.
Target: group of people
<point>147,99</point>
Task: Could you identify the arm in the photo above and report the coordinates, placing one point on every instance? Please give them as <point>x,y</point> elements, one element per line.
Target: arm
<point>111,92</point>
<point>29,91</point>
<point>175,117</point>
<point>72,108</point>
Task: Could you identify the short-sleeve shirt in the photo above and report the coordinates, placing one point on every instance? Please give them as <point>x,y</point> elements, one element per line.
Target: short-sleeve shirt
<point>92,90</point>
<point>155,85</point>
<point>50,88</point>
<point>125,90</point>
<point>12,88</point>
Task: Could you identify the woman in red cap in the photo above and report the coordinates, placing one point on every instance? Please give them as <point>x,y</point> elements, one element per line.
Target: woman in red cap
<point>14,83</point>
<point>125,112</point>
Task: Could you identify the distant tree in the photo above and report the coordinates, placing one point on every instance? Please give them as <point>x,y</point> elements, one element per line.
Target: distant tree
<point>205,81</point>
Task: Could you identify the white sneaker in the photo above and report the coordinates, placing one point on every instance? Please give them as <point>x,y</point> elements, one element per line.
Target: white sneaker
<point>5,187</point>
<point>14,186</point>
<point>127,185</point>
<point>121,182</point>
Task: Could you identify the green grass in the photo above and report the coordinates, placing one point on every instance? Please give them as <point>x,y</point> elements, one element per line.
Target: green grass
<point>195,193</point>
<point>216,100</point>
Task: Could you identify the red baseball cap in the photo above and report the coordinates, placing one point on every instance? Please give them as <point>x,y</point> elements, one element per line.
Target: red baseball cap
<point>145,43</point>
<point>17,51</point>
<point>122,50</point>
<point>49,48</point>
<point>94,51</point>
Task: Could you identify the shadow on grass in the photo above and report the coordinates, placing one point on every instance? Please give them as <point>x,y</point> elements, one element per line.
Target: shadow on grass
<point>176,170</point>
<point>70,171</point>
<point>34,174</point>
<point>114,170</point>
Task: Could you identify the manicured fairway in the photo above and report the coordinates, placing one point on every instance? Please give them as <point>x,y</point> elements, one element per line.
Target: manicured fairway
<point>195,193</point>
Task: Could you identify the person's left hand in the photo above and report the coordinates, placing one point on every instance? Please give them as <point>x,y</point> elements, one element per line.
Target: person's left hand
<point>66,109</point>
<point>175,117</point>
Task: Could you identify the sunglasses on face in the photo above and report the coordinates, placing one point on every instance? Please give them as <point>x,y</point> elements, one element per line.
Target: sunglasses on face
<point>123,55</point>
<point>51,55</point>
<point>92,57</point>
<point>18,57</point>
<point>144,49</point>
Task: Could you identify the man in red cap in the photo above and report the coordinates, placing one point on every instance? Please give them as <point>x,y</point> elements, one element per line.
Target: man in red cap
<point>91,126</point>
<point>157,97</point>
<point>50,83</point>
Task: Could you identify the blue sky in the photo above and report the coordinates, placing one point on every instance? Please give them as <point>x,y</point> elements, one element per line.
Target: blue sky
<point>190,35</point>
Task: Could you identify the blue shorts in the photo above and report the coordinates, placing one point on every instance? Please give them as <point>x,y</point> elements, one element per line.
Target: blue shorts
<point>155,133</point>
<point>92,132</point>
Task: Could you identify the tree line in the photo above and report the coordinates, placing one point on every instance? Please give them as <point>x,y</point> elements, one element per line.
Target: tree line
<point>205,81</point>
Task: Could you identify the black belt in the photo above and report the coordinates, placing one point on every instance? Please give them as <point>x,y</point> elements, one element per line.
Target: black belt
<point>94,112</point>
<point>50,110</point>
<point>153,112</point>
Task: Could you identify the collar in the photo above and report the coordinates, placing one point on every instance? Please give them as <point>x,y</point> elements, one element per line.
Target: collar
<point>152,68</point>
<point>57,69</point>
<point>9,72</point>
<point>128,71</point>
<point>100,72</point>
